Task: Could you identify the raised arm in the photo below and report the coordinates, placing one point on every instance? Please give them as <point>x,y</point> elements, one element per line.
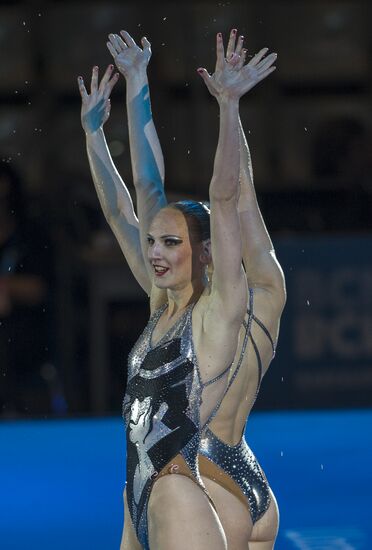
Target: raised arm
<point>112,192</point>
<point>262,268</point>
<point>146,154</point>
<point>261,265</point>
<point>227,84</point>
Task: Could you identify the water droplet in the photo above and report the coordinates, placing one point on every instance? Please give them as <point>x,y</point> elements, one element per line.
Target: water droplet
<point>305,128</point>
<point>307,302</point>
<point>281,453</point>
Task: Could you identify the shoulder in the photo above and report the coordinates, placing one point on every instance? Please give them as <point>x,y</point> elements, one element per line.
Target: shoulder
<point>214,313</point>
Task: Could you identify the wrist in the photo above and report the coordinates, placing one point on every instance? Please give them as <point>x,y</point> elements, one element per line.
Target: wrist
<point>227,100</point>
<point>136,74</point>
<point>92,134</point>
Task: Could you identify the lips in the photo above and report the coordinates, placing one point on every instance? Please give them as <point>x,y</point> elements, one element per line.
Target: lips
<point>160,270</point>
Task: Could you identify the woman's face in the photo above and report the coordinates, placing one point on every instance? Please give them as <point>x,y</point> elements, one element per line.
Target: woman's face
<point>174,259</point>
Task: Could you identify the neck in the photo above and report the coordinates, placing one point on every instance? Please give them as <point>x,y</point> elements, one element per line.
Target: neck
<point>180,299</point>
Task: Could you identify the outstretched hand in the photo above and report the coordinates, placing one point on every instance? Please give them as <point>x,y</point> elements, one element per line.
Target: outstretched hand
<point>232,78</point>
<point>95,108</point>
<point>128,56</point>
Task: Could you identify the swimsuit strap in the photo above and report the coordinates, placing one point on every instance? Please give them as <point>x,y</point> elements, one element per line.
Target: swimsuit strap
<point>259,362</point>
<point>262,326</point>
<point>247,327</point>
<point>256,350</point>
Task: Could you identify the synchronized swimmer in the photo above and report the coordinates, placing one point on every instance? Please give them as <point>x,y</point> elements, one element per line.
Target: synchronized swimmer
<point>216,296</point>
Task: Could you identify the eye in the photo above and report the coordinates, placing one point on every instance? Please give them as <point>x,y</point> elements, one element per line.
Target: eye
<point>150,241</point>
<point>172,242</point>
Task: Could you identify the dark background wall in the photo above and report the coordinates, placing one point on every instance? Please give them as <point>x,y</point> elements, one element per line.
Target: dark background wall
<point>309,129</point>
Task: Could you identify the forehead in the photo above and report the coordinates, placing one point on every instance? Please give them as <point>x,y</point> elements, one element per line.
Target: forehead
<point>169,221</point>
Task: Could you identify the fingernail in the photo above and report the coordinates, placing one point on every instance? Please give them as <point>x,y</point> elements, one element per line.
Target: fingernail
<point>200,70</point>
<point>241,37</point>
<point>234,31</point>
<point>219,35</point>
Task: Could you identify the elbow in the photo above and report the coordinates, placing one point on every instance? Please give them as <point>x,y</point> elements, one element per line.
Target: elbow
<point>148,181</point>
<point>224,188</point>
<point>111,215</point>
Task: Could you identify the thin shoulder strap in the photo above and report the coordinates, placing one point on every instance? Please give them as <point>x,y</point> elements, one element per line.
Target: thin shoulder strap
<point>262,326</point>
<point>247,326</point>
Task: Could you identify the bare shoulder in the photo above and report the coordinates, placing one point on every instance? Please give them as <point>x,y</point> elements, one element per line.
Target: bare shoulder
<point>215,335</point>
<point>213,312</point>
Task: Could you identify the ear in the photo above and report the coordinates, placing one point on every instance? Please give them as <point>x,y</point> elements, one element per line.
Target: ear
<point>206,254</point>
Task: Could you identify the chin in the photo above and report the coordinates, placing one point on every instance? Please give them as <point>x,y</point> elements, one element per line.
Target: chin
<point>160,284</point>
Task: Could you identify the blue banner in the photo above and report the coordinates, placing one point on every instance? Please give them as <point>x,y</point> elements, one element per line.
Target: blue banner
<point>324,356</point>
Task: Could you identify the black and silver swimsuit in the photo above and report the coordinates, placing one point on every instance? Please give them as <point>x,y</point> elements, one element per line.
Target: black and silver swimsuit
<point>161,409</point>
<point>235,467</point>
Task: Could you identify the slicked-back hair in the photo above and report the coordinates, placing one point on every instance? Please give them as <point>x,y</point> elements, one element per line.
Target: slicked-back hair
<point>197,218</point>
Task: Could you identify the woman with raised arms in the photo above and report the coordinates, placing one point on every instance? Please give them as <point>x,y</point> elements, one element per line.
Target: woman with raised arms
<point>179,369</point>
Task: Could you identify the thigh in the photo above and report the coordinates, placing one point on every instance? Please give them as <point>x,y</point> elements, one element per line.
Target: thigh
<point>180,517</point>
<point>235,517</point>
<point>265,530</point>
<point>129,539</point>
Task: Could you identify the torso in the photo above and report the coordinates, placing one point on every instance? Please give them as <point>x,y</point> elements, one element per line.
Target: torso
<point>166,406</point>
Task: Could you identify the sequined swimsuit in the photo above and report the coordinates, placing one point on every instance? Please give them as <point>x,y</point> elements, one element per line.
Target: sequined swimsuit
<point>161,409</point>
<point>234,467</point>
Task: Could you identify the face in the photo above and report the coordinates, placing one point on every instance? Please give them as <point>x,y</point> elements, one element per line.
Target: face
<point>175,260</point>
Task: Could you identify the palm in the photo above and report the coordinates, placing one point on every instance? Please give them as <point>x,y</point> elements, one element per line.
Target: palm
<point>94,113</point>
<point>236,82</point>
<point>131,58</point>
<point>95,107</point>
<point>127,55</point>
<point>231,76</point>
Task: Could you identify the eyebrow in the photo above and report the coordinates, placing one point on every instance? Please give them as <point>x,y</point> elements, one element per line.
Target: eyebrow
<point>167,237</point>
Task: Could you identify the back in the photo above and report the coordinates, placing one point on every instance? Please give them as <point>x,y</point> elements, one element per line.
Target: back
<point>263,327</point>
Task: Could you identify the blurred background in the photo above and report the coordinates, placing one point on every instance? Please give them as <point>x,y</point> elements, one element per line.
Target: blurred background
<point>70,309</point>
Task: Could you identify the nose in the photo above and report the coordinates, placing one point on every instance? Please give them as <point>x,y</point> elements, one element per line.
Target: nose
<point>155,251</point>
